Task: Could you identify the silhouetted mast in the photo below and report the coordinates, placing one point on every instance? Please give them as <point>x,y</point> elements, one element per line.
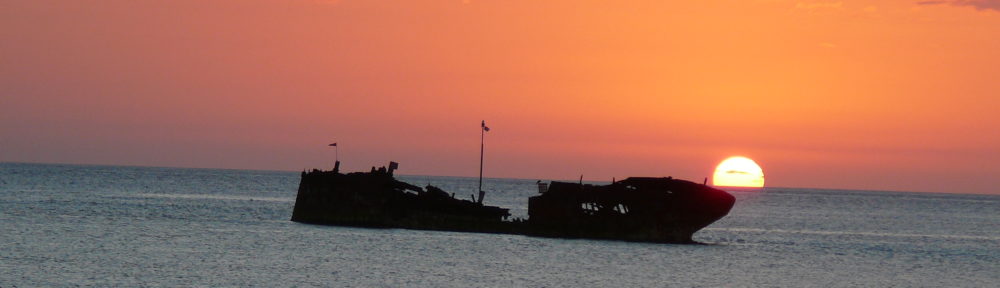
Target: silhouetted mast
<point>336,157</point>
<point>482,150</point>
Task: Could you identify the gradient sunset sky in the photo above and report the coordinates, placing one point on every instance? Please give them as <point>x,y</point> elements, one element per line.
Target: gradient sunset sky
<point>886,95</point>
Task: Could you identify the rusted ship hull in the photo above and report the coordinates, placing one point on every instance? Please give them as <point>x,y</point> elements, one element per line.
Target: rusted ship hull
<point>377,199</point>
<point>635,209</point>
<point>661,210</point>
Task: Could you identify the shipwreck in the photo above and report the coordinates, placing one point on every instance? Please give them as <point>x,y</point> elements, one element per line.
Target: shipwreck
<point>647,209</point>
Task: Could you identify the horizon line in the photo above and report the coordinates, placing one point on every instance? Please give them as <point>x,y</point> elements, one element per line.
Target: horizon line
<point>765,188</point>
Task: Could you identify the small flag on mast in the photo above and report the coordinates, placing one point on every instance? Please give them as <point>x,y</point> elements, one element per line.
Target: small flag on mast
<point>334,144</point>
<point>487,129</point>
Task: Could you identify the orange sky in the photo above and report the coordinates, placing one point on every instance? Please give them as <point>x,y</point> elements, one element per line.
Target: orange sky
<point>896,95</point>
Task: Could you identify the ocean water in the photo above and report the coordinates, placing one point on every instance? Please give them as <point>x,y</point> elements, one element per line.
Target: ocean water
<point>66,225</point>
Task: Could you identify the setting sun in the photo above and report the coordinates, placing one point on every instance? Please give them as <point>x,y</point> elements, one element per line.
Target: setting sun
<point>738,171</point>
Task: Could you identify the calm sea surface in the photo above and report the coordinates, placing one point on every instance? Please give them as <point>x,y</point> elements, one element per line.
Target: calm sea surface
<point>64,225</point>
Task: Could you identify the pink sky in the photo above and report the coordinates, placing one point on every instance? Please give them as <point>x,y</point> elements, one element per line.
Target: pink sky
<point>887,95</point>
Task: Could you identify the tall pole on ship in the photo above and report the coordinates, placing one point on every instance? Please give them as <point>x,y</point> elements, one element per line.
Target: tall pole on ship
<point>482,151</point>
<point>336,154</point>
<point>336,157</point>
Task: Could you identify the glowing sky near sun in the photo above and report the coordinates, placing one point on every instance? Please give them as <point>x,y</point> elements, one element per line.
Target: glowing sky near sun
<point>897,95</point>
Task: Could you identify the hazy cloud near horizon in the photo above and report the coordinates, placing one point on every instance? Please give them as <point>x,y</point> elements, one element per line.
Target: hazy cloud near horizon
<point>978,4</point>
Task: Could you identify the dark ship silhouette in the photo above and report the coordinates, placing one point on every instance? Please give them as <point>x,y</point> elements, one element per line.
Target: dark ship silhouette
<point>664,210</point>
